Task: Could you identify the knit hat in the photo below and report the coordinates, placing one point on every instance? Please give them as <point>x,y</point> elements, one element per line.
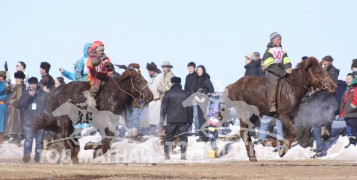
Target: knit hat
<point>354,63</point>
<point>274,35</point>
<point>304,58</point>
<point>3,74</point>
<point>175,80</point>
<point>327,58</point>
<point>19,75</point>
<point>33,80</point>
<point>46,66</point>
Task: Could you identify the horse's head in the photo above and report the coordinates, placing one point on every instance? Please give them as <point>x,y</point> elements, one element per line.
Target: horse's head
<point>136,85</point>
<point>319,78</point>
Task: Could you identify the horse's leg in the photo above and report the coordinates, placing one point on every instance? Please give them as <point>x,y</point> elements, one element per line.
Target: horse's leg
<point>108,137</point>
<point>69,145</point>
<point>290,133</point>
<point>244,133</point>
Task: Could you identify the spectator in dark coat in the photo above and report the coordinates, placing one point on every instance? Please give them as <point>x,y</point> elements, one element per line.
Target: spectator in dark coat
<point>204,85</point>
<point>332,71</point>
<point>253,65</point>
<point>32,102</point>
<point>47,80</point>
<point>178,117</point>
<point>190,79</point>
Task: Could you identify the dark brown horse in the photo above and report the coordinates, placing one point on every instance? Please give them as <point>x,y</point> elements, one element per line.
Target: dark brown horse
<point>307,76</point>
<point>128,89</point>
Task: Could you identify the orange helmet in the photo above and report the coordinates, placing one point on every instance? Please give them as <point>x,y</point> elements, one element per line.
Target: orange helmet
<point>98,43</point>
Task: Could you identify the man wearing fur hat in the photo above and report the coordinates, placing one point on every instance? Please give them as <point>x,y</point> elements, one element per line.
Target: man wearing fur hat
<point>155,105</point>
<point>332,71</point>
<point>4,88</point>
<point>13,123</point>
<point>278,65</point>
<point>47,82</point>
<point>165,83</point>
<point>177,116</point>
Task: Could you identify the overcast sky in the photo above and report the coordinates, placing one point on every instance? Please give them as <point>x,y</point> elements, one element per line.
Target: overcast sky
<point>217,34</point>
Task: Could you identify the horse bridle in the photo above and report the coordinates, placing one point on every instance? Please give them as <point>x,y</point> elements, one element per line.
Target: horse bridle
<point>142,96</point>
<point>324,86</point>
<point>312,90</point>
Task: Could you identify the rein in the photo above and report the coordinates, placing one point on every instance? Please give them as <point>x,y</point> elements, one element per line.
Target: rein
<point>135,100</point>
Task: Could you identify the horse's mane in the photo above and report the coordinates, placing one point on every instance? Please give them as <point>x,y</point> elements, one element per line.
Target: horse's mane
<point>308,63</point>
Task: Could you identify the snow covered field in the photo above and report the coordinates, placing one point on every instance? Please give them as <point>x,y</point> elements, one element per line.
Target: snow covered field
<point>150,151</point>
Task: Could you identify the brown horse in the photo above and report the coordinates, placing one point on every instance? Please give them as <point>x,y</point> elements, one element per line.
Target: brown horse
<point>307,76</point>
<point>128,89</point>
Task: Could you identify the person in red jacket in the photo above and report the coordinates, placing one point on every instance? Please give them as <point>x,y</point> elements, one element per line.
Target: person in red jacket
<point>348,110</point>
<point>97,65</point>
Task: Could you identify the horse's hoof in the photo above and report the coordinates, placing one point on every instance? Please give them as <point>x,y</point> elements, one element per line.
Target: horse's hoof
<point>283,150</point>
<point>75,161</point>
<point>253,159</point>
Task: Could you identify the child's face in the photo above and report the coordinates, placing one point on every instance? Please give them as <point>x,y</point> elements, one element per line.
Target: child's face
<point>349,80</point>
<point>277,42</point>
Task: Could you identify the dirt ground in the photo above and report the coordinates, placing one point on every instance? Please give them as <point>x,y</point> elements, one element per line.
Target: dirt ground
<point>315,169</point>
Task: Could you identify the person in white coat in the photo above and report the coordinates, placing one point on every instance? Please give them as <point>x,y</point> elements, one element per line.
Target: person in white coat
<point>155,105</point>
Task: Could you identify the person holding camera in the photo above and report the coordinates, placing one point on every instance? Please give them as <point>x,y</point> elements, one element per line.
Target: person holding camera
<point>32,103</point>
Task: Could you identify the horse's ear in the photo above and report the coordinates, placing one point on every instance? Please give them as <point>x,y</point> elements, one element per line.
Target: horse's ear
<point>310,62</point>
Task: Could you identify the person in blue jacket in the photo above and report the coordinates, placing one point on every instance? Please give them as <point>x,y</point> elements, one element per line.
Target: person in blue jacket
<point>80,72</point>
<point>4,89</point>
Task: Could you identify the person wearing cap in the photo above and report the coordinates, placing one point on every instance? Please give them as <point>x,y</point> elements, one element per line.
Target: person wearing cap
<point>80,70</point>
<point>177,116</point>
<point>155,105</point>
<point>165,83</point>
<point>13,122</point>
<point>253,64</point>
<point>332,70</point>
<point>4,90</point>
<point>47,82</point>
<point>278,65</point>
<point>32,103</point>
<point>304,58</point>
<point>97,65</point>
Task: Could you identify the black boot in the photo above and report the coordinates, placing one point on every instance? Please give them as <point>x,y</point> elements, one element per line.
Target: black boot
<point>352,142</point>
<point>167,152</point>
<point>183,152</point>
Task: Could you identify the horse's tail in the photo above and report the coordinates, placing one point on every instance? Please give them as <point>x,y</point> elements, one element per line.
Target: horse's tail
<point>45,121</point>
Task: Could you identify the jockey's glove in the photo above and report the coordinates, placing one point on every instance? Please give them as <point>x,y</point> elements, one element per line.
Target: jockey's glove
<point>289,70</point>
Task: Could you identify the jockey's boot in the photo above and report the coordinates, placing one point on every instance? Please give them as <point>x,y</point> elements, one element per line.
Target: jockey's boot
<point>183,152</point>
<point>271,96</point>
<point>79,122</point>
<point>93,94</point>
<point>167,152</point>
